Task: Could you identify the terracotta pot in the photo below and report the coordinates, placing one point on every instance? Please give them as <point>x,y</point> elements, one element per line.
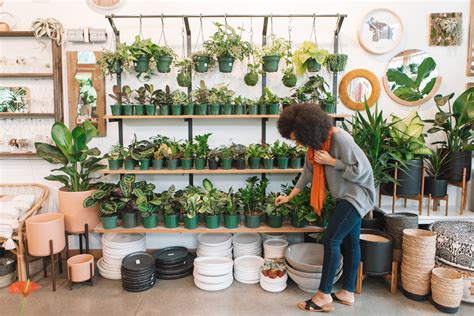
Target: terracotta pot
<point>75,215</point>
<point>42,228</point>
<point>79,266</point>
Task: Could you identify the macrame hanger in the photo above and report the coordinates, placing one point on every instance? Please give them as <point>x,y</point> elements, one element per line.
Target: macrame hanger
<point>313,30</point>
<point>251,39</point>
<point>162,35</point>
<point>271,26</point>
<point>201,32</point>
<point>183,37</point>
<point>289,31</point>
<point>141,27</point>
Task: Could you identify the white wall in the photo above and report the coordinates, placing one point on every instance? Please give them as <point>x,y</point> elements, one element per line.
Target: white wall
<point>76,13</point>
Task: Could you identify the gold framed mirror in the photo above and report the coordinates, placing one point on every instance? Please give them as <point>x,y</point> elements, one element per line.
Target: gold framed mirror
<point>357,86</point>
<point>411,78</point>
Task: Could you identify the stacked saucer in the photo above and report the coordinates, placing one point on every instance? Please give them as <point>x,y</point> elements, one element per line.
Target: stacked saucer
<point>213,273</point>
<point>275,248</point>
<point>247,244</point>
<point>247,269</point>
<point>214,245</point>
<point>173,263</point>
<point>282,236</point>
<point>114,248</point>
<point>274,285</point>
<point>138,272</point>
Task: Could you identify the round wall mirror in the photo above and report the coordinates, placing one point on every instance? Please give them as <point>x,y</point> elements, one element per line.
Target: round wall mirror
<point>411,78</point>
<point>357,86</point>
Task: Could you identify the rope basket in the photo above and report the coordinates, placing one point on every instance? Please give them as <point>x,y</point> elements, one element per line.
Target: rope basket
<point>447,287</point>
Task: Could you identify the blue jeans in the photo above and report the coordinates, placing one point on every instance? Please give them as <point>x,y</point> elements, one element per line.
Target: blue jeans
<point>343,228</point>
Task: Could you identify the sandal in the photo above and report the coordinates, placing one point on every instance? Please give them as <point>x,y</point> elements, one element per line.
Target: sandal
<point>311,306</point>
<point>338,300</point>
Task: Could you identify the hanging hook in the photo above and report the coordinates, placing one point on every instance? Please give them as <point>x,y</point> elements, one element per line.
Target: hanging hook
<point>141,27</point>
<point>251,31</point>
<point>225,19</point>
<point>183,36</point>
<point>290,29</point>
<point>162,31</point>
<point>313,30</point>
<point>271,24</point>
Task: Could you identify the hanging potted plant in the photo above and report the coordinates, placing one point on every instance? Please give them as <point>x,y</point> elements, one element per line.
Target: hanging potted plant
<point>239,153</point>
<point>191,202</point>
<point>225,157</point>
<point>169,204</point>
<point>173,154</point>
<point>273,52</point>
<point>142,51</point>
<point>159,156</point>
<point>164,56</point>
<point>315,90</point>
<point>78,163</point>
<point>253,200</point>
<point>269,103</point>
<point>144,96</point>
<point>114,157</point>
<point>212,205</point>
<point>336,63</point>
<point>309,57</point>
<point>184,72</point>
<point>203,61</point>
<point>213,159</point>
<point>123,101</point>
<point>200,96</point>
<point>164,100</point>
<point>107,200</point>
<point>142,152</point>
<point>187,155</point>
<point>114,62</point>
<point>275,214</point>
<point>231,201</point>
<point>202,150</point>
<point>179,99</point>
<point>220,99</point>
<point>251,77</point>
<point>455,122</point>
<point>437,163</point>
<point>268,157</point>
<point>297,156</point>
<point>254,155</point>
<point>282,151</point>
<point>289,78</point>
<point>227,45</point>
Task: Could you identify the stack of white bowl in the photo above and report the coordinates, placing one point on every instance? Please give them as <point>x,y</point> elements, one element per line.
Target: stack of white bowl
<point>247,269</point>
<point>114,248</point>
<point>282,236</point>
<point>273,285</point>
<point>304,264</point>
<point>214,245</point>
<point>213,273</point>
<point>247,244</point>
<point>274,248</point>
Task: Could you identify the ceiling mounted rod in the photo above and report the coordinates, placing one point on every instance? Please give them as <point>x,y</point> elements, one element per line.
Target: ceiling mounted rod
<point>113,16</point>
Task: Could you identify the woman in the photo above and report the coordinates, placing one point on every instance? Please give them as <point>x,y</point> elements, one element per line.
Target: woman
<point>334,160</point>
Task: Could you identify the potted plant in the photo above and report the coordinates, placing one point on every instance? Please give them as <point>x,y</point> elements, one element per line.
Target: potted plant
<point>336,62</point>
<point>184,72</point>
<point>142,151</point>
<point>227,45</point>
<point>114,62</point>
<point>123,101</point>
<point>254,154</point>
<point>164,57</point>
<point>231,209</point>
<point>226,157</point>
<point>275,214</point>
<point>173,154</point>
<point>169,204</point>
<point>268,157</point>
<point>436,165</point>
<point>269,103</point>
<point>107,200</point>
<point>239,153</point>
<point>115,157</point>
<point>251,77</point>
<point>455,122</point>
<point>289,77</point>
<point>144,96</point>
<point>309,57</point>
<point>202,150</point>
<point>212,205</point>
<point>142,51</point>
<point>164,100</point>
<point>147,205</point>
<point>221,98</point>
<point>200,96</point>
<point>128,162</point>
<point>315,90</point>
<point>179,99</point>
<point>203,61</point>
<point>252,107</point>
<point>300,209</point>
<point>240,105</point>
<point>191,203</point>
<point>281,150</point>
<point>159,156</point>
<point>187,155</point>
<point>297,155</point>
<point>272,52</point>
<point>213,159</point>
<point>287,101</point>
<point>253,200</point>
<point>274,269</point>
<point>78,164</point>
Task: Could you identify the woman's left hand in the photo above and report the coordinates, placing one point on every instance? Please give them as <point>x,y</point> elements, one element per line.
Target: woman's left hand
<point>324,158</point>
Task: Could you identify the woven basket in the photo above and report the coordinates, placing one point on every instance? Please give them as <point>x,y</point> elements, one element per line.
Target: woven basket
<point>447,287</point>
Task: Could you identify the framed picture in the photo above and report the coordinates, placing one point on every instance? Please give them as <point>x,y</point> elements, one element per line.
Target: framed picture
<point>445,29</point>
<point>105,4</point>
<point>380,32</point>
<point>14,99</point>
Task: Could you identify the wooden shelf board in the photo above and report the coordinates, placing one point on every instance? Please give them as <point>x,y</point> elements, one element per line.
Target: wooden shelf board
<point>17,154</point>
<point>25,115</point>
<point>17,34</point>
<point>26,75</point>
<point>204,171</point>
<point>286,228</point>
<point>156,117</point>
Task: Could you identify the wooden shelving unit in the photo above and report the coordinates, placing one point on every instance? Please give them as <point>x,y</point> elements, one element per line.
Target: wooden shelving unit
<point>26,75</point>
<point>204,171</point>
<point>26,115</point>
<point>286,228</point>
<point>18,154</point>
<point>156,117</point>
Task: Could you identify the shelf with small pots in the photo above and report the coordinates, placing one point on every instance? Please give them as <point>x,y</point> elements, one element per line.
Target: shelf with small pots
<point>5,115</point>
<point>201,171</point>
<point>232,116</point>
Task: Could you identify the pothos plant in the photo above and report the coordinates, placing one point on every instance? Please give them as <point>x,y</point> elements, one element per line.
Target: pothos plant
<point>253,195</point>
<point>191,201</point>
<point>306,52</point>
<point>113,62</point>
<point>221,94</point>
<point>227,42</point>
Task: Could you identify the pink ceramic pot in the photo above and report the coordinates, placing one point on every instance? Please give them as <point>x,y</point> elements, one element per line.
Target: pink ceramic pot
<point>79,266</point>
<point>75,215</point>
<point>42,228</point>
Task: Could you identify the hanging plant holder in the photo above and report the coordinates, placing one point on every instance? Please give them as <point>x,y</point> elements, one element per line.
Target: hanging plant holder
<point>163,64</point>
<point>312,65</point>
<point>183,78</point>
<point>142,64</point>
<point>201,63</point>
<point>226,63</point>
<point>270,63</point>
<point>289,79</point>
<point>251,78</point>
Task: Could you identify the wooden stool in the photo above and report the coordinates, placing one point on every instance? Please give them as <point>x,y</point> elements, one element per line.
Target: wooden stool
<point>436,202</point>
<point>391,277</point>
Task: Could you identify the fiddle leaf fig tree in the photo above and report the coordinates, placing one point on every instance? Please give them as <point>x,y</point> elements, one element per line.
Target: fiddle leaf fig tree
<point>70,150</point>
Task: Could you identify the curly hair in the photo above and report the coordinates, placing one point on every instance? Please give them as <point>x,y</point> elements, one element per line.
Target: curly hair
<point>308,122</point>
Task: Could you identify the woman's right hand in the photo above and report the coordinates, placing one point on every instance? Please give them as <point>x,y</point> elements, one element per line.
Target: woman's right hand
<point>282,199</point>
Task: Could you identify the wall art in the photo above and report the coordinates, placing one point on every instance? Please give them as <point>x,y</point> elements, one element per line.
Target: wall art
<point>14,99</point>
<point>380,31</point>
<point>357,86</point>
<point>446,29</point>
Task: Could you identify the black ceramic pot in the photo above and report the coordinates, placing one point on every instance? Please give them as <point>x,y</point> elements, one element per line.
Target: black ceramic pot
<point>395,224</point>
<point>459,160</point>
<point>240,163</point>
<point>377,220</point>
<point>376,252</point>
<point>435,187</point>
<point>213,164</point>
<point>409,178</point>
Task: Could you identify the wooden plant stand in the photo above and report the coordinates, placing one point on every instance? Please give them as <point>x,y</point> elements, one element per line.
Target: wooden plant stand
<point>463,185</point>
<point>84,235</point>
<point>90,281</point>
<point>436,203</point>
<point>392,278</point>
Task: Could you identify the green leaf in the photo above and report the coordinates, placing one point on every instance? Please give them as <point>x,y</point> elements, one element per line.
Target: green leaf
<point>93,152</point>
<point>90,131</point>
<point>89,201</point>
<point>429,86</point>
<point>50,153</point>
<point>61,178</point>
<point>207,184</point>
<point>407,93</point>
<point>442,100</point>
<point>464,106</point>
<point>62,138</point>
<point>79,139</point>
<point>424,70</point>
<point>400,78</point>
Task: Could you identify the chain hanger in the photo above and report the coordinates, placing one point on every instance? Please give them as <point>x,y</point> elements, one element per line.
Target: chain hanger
<point>289,31</point>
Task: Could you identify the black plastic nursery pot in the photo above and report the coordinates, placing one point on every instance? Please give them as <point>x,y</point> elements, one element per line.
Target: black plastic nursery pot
<point>240,164</point>
<point>163,64</point>
<point>268,163</point>
<point>171,220</point>
<point>225,63</point>
<point>253,109</point>
<point>139,109</point>
<point>376,252</point>
<point>312,65</point>
<point>409,179</point>
<point>436,187</point>
<point>200,163</point>
<point>215,109</point>
<point>202,109</point>
<point>239,109</point>
<point>164,109</point>
<point>186,163</point>
<point>144,164</point>
<point>295,163</point>
<point>129,220</point>
<point>274,108</point>
<point>190,222</point>
<point>262,109</point>
<point>213,164</point>
<point>283,162</point>
<point>172,164</point>
<point>298,222</point>
<point>189,109</point>
<point>116,109</point>
<point>226,109</point>
<point>274,221</point>
<point>254,162</point>
<point>150,221</point>
<point>212,221</point>
<point>150,109</point>
<point>109,222</point>
<point>458,161</point>
<point>226,164</point>
<point>129,164</point>
<point>176,109</point>
<point>158,164</point>
<point>142,64</point>
<point>253,221</point>
<point>270,63</point>
<point>127,109</point>
<point>231,221</point>
<point>377,220</point>
<point>115,164</point>
<point>201,63</point>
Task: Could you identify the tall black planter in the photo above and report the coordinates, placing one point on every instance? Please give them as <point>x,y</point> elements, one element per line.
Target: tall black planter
<point>459,160</point>
<point>436,187</point>
<point>409,179</point>
<point>377,220</point>
<point>376,255</point>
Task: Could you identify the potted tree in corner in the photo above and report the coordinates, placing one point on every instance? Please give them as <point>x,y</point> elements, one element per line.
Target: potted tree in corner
<point>253,199</point>
<point>79,163</point>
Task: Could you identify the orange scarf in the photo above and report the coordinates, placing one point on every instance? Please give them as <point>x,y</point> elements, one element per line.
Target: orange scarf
<point>318,185</point>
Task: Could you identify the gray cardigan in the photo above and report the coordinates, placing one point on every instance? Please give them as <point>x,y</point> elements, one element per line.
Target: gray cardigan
<point>351,178</point>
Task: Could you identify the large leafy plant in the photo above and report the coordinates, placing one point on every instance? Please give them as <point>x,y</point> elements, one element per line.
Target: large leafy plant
<point>271,209</point>
<point>253,195</point>
<point>306,51</point>
<point>315,90</point>
<point>142,48</point>
<point>455,121</point>
<point>70,150</point>
<point>202,145</point>
<point>227,42</point>
<point>407,80</point>
<point>406,135</point>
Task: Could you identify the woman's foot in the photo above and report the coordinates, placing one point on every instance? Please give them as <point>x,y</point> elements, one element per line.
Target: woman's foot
<point>344,297</point>
<point>320,300</point>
